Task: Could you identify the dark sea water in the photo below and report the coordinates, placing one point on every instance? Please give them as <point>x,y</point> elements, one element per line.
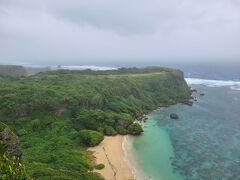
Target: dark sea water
<point>203,144</point>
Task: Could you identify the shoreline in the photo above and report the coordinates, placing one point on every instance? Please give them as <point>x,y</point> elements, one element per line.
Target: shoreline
<point>113,154</point>
<point>130,160</point>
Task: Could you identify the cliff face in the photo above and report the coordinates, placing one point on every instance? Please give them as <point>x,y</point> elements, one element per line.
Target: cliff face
<point>19,71</point>
<point>9,142</point>
<point>10,155</point>
<point>12,70</point>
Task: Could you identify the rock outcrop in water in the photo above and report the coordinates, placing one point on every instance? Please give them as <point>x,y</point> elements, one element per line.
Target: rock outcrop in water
<point>174,116</point>
<point>187,102</point>
<point>193,90</point>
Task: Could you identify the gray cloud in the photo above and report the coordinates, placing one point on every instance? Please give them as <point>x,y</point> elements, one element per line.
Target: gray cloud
<point>106,31</point>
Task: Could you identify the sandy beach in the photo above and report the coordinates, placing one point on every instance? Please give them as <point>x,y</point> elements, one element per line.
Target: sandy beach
<point>110,152</point>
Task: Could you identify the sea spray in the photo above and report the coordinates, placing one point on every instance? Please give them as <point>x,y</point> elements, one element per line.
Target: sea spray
<point>235,85</point>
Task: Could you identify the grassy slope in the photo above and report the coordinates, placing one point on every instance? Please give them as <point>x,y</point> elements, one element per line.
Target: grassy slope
<point>40,110</point>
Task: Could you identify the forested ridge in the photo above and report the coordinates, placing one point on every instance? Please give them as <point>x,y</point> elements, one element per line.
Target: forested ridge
<point>58,114</point>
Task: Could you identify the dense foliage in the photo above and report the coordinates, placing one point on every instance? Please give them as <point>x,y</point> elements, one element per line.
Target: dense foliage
<point>99,166</point>
<point>135,129</point>
<point>90,138</point>
<point>56,114</point>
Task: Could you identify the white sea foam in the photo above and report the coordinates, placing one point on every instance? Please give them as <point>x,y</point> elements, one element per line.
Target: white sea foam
<point>125,147</point>
<point>97,68</point>
<point>55,67</point>
<point>128,158</point>
<point>235,85</point>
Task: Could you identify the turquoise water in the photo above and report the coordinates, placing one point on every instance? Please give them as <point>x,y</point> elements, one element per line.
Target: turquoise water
<point>204,144</point>
<point>153,151</point>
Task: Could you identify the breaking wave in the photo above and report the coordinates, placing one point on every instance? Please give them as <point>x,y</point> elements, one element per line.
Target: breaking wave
<point>214,83</point>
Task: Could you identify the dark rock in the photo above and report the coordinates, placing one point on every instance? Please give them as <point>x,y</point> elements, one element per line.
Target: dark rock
<point>4,135</point>
<point>14,143</point>
<point>15,152</point>
<point>174,116</point>
<point>124,122</point>
<point>143,118</point>
<point>202,94</point>
<point>193,90</point>
<point>187,102</point>
<point>11,141</point>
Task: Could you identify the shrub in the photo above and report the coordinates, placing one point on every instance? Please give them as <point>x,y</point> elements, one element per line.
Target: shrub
<point>35,124</point>
<point>109,131</point>
<point>121,130</point>
<point>99,166</point>
<point>96,176</point>
<point>90,138</point>
<point>21,132</point>
<point>73,134</point>
<point>100,129</point>
<point>10,168</point>
<point>135,129</point>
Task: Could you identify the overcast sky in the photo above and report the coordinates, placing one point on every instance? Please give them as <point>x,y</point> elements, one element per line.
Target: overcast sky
<point>119,31</point>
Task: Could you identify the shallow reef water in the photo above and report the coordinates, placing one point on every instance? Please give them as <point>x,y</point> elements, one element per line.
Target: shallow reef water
<point>204,143</point>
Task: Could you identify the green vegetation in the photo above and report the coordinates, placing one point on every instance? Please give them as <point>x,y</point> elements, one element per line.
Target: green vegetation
<point>135,129</point>
<point>57,114</point>
<point>100,166</point>
<point>90,137</point>
<point>110,131</point>
<point>121,130</point>
<point>11,168</point>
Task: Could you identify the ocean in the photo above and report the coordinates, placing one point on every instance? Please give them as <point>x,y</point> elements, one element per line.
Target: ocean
<point>203,144</point>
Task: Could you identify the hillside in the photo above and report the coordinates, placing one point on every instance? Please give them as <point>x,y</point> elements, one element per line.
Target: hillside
<point>58,114</point>
<point>35,70</point>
